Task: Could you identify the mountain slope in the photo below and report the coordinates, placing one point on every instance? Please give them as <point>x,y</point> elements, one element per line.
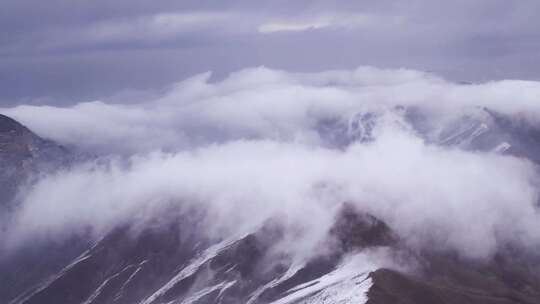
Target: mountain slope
<point>22,153</point>
<point>24,156</point>
<point>170,260</point>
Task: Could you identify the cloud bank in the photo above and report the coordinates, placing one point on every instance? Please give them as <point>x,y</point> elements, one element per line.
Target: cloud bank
<point>266,104</point>
<point>262,144</point>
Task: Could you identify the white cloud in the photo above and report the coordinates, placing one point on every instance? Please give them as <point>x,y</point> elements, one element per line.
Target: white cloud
<point>248,148</point>
<point>337,21</point>
<point>292,27</point>
<point>265,103</point>
<point>428,195</point>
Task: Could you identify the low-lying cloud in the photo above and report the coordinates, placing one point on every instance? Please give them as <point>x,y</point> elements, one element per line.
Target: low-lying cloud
<point>265,104</point>
<point>250,147</point>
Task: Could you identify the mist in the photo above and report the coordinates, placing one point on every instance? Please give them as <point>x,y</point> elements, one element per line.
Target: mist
<point>261,103</point>
<point>252,147</point>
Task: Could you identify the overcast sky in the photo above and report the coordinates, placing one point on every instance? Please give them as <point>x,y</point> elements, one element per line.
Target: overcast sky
<point>64,51</point>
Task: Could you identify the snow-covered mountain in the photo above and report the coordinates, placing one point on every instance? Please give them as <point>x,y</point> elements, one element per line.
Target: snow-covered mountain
<point>362,259</point>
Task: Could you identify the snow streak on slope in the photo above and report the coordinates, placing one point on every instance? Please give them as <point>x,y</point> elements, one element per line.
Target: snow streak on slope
<point>24,297</point>
<point>503,147</point>
<point>206,291</point>
<point>103,285</point>
<point>190,269</point>
<point>287,275</point>
<point>347,284</point>
<point>130,278</point>
<point>265,103</point>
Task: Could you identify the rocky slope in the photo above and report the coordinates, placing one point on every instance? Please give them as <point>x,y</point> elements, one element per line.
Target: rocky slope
<point>24,156</point>
<point>164,266</point>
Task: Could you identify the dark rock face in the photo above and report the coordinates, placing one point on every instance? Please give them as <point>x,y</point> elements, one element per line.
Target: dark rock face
<point>23,157</point>
<point>523,139</point>
<point>358,128</point>
<point>8,124</point>
<point>119,268</point>
<point>482,129</point>
<point>23,154</point>
<point>477,129</point>
<point>354,229</point>
<point>394,287</point>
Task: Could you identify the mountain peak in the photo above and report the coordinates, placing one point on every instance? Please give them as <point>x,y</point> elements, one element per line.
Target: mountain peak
<point>8,124</point>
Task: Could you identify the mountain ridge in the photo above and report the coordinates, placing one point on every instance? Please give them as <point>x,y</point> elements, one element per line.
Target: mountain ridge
<point>172,263</point>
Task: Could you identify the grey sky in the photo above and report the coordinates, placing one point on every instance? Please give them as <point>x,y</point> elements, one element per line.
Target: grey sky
<point>65,51</point>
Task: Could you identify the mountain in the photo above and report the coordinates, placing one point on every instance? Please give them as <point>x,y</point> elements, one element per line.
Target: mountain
<point>474,129</point>
<point>481,129</point>
<point>159,266</point>
<point>169,260</point>
<point>24,155</point>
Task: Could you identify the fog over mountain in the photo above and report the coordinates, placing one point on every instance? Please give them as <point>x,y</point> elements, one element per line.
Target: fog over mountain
<point>447,168</point>
<point>269,152</point>
<point>261,103</point>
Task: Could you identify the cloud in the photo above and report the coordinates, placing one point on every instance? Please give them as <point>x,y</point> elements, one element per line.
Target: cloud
<point>291,27</point>
<point>265,104</point>
<point>259,144</point>
<point>100,48</point>
<point>336,22</point>
<point>148,30</point>
<point>427,194</point>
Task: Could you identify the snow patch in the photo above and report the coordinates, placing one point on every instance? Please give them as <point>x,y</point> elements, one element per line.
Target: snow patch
<point>287,275</point>
<point>192,268</point>
<point>501,148</point>
<point>347,284</point>
<point>208,290</point>
<point>98,291</point>
<point>120,293</point>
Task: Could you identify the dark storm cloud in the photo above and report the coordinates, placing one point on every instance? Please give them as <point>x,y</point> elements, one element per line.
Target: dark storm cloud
<point>62,51</point>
